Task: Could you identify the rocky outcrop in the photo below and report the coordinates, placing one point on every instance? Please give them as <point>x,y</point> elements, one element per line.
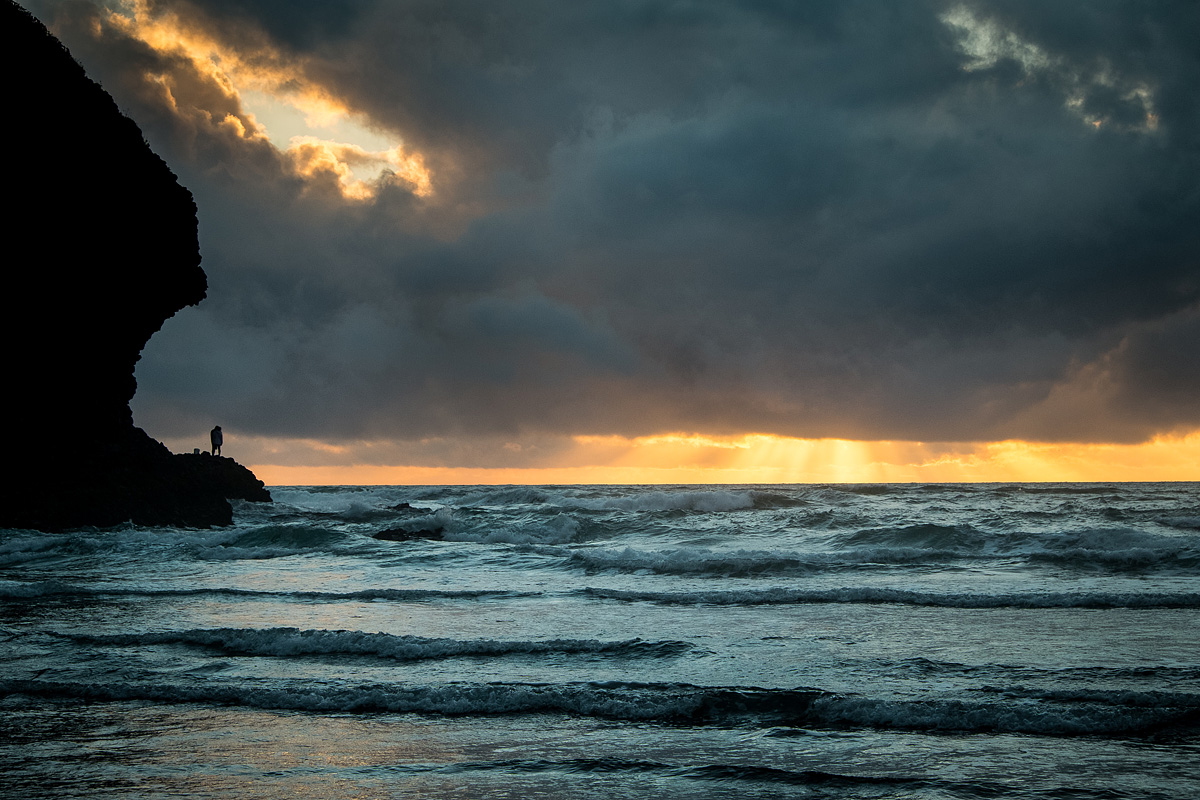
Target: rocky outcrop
<point>134,479</point>
<point>102,249</point>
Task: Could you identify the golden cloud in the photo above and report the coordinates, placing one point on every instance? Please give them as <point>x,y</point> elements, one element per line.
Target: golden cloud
<point>312,157</point>
<point>284,79</point>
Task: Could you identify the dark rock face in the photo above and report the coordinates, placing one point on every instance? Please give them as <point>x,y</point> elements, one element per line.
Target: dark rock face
<point>101,250</point>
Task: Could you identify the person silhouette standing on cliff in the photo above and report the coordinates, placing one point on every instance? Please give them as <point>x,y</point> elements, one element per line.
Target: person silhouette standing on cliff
<point>215,436</point>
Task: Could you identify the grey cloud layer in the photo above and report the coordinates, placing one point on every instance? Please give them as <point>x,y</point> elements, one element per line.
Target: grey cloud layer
<point>818,219</point>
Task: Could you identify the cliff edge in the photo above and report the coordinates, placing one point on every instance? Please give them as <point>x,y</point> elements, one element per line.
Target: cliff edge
<point>102,249</point>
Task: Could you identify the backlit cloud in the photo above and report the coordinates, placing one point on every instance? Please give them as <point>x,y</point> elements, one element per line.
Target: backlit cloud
<point>312,157</point>
<point>988,43</point>
<point>205,77</point>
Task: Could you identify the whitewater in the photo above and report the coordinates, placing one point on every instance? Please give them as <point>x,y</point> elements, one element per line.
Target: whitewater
<point>833,641</point>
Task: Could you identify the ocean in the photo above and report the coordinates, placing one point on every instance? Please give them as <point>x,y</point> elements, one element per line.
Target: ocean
<point>813,641</point>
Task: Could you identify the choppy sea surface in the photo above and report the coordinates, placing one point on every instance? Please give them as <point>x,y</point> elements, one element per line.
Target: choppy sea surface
<point>908,641</point>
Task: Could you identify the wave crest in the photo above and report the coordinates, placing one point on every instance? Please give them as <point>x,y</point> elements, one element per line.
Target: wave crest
<point>871,595</point>
<point>672,704</point>
<point>286,642</point>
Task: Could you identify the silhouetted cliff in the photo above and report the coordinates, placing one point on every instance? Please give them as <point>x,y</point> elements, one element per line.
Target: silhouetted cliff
<point>101,249</point>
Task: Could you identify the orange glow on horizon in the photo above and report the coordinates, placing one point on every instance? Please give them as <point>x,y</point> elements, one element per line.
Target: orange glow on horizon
<point>768,459</point>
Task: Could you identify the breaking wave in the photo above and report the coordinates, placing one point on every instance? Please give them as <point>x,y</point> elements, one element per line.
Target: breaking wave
<point>295,642</point>
<point>869,595</point>
<point>672,704</point>
<point>18,590</point>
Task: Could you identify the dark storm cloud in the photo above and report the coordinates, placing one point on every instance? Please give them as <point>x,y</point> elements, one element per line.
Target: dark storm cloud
<point>943,221</point>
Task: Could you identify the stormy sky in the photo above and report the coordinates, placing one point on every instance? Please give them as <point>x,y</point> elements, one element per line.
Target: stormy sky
<point>523,221</point>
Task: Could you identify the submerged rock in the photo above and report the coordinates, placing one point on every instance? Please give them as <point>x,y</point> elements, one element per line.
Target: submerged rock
<point>401,535</point>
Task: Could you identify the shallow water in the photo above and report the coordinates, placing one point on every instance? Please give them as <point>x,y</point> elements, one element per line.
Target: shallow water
<point>775,641</point>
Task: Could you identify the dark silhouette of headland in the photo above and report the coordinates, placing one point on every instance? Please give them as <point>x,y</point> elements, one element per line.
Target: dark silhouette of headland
<point>101,249</point>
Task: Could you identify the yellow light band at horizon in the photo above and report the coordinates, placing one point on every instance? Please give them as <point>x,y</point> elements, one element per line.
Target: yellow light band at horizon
<point>766,459</point>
